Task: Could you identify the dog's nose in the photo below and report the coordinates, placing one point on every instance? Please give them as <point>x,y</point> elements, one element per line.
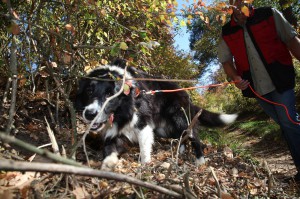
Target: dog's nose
<point>90,115</point>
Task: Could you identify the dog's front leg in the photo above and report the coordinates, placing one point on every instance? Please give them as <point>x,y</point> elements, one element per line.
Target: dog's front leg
<point>110,162</point>
<point>146,140</point>
<point>112,149</point>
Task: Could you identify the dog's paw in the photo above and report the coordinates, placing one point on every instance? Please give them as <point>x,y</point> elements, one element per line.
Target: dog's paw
<point>110,162</point>
<point>200,161</point>
<point>145,159</point>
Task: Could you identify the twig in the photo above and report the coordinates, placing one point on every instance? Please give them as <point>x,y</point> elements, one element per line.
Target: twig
<point>189,131</point>
<point>30,159</point>
<point>9,165</point>
<point>168,173</point>
<point>31,148</point>
<point>63,152</point>
<point>91,47</point>
<point>6,91</point>
<point>271,180</point>
<point>14,72</point>
<point>137,193</point>
<point>181,190</point>
<point>253,166</point>
<point>175,187</point>
<point>217,182</point>
<point>56,111</point>
<point>52,139</point>
<point>68,103</point>
<point>187,187</point>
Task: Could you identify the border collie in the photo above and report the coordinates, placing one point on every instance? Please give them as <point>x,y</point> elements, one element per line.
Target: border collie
<point>136,117</point>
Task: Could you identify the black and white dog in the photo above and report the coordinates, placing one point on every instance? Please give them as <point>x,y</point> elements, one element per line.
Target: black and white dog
<point>136,116</point>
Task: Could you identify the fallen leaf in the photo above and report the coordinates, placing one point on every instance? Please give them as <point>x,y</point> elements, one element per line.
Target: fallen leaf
<point>15,29</point>
<point>123,46</point>
<point>226,196</point>
<point>228,152</point>
<point>7,194</point>
<point>80,193</point>
<point>160,176</point>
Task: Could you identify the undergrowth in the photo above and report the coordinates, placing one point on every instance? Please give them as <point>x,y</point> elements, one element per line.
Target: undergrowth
<point>238,133</point>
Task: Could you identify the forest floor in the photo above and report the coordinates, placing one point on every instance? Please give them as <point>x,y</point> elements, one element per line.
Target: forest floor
<point>228,173</point>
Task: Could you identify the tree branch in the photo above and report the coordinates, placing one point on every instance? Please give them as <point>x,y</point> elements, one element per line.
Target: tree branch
<point>9,165</point>
<point>34,149</point>
<point>14,73</point>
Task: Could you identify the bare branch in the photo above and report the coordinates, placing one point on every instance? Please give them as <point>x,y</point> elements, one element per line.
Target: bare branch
<point>31,148</point>
<point>9,165</point>
<point>14,72</point>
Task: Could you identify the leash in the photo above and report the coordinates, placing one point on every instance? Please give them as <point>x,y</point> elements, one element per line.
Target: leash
<point>275,103</point>
<point>152,92</point>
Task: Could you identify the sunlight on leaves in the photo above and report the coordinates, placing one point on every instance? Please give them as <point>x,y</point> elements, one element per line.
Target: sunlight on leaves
<point>182,23</point>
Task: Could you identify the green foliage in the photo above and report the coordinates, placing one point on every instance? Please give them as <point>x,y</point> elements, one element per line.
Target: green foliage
<point>176,64</point>
<point>258,127</point>
<point>204,37</point>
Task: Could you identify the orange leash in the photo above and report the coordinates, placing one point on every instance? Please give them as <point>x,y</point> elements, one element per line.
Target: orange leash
<point>152,92</point>
<point>275,103</point>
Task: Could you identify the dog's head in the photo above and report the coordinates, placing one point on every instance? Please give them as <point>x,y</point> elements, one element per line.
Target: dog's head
<point>94,90</point>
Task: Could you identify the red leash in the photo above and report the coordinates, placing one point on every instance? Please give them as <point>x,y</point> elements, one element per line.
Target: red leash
<point>275,103</point>
<point>152,92</point>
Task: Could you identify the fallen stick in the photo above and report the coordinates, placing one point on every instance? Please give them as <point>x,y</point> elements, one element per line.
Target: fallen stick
<point>52,139</point>
<point>29,147</point>
<point>9,165</point>
<point>217,181</point>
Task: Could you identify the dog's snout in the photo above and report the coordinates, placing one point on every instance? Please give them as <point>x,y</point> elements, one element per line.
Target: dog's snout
<point>91,111</point>
<point>90,115</point>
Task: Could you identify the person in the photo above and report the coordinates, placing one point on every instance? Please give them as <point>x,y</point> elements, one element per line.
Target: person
<point>255,51</point>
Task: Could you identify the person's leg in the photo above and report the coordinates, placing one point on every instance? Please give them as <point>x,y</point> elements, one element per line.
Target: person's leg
<point>290,130</point>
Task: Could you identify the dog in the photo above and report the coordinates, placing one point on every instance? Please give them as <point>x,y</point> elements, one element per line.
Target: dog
<point>136,116</point>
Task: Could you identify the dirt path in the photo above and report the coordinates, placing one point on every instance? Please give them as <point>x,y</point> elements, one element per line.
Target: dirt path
<point>272,150</point>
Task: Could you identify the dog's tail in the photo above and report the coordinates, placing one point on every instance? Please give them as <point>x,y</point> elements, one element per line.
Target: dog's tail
<point>211,119</point>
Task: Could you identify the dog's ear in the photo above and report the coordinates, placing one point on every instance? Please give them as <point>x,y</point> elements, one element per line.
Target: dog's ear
<point>119,62</point>
<point>81,85</point>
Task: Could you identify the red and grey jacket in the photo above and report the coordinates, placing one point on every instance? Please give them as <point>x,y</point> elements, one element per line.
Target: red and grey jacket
<point>272,51</point>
